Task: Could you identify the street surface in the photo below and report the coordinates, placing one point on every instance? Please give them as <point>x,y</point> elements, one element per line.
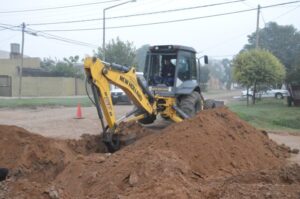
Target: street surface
<point>61,122</point>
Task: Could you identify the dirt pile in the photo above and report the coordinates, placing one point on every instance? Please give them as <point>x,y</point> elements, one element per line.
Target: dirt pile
<point>218,142</point>
<point>31,155</point>
<point>35,161</point>
<point>212,155</point>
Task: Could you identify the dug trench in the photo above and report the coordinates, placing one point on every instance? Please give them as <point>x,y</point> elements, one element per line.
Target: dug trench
<point>213,155</point>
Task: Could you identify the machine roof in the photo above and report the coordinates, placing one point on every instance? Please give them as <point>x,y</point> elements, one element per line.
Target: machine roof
<point>170,48</point>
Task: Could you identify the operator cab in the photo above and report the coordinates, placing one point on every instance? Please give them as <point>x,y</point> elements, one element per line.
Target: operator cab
<point>170,68</point>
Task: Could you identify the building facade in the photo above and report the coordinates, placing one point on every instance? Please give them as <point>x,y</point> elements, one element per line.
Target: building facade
<point>35,81</point>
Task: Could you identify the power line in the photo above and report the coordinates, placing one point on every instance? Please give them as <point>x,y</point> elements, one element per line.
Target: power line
<point>289,11</point>
<point>47,35</point>
<point>50,36</point>
<point>75,42</point>
<point>171,21</point>
<point>54,37</point>
<point>5,24</point>
<point>225,41</point>
<point>58,7</point>
<point>247,4</point>
<point>240,35</point>
<point>7,27</point>
<point>262,16</point>
<point>135,15</point>
<point>4,28</point>
<point>66,40</point>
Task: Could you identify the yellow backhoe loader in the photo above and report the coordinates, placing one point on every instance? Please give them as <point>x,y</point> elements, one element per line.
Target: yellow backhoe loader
<point>170,87</point>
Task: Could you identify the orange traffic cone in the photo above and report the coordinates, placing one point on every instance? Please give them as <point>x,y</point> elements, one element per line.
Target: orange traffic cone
<point>79,113</point>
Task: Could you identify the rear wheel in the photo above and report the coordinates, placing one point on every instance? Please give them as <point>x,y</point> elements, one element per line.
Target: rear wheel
<point>278,96</point>
<point>190,104</point>
<point>289,100</point>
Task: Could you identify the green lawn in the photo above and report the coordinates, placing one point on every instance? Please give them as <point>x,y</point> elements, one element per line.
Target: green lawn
<point>269,114</point>
<point>35,102</point>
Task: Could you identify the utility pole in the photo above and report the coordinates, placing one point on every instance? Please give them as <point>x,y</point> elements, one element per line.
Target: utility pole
<point>104,10</point>
<point>22,60</point>
<point>256,46</point>
<point>257,27</point>
<point>103,37</point>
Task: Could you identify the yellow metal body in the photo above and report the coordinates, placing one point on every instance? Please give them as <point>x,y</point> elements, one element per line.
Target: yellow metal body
<point>169,110</point>
<point>102,76</point>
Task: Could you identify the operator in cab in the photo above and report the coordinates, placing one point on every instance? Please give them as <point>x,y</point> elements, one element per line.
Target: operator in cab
<point>168,72</point>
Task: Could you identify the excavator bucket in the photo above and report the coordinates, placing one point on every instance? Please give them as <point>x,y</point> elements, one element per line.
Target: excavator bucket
<point>125,134</point>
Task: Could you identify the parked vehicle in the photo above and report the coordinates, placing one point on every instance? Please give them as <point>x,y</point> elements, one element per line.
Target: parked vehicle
<point>118,95</point>
<point>277,93</point>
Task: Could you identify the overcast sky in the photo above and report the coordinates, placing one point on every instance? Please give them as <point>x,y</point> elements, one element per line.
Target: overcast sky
<point>217,37</point>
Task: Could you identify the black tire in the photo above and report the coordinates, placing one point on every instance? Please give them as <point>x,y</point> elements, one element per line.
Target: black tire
<point>289,101</point>
<point>114,101</point>
<point>278,96</point>
<point>190,104</point>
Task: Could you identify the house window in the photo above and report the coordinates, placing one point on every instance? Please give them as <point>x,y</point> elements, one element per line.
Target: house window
<point>4,81</point>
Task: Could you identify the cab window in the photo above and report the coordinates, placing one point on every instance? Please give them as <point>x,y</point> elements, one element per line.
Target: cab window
<point>186,67</point>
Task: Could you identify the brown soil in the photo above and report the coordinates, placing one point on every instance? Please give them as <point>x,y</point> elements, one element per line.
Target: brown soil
<point>213,155</point>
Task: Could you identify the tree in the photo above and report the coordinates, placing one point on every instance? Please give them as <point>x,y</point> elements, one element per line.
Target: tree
<point>71,60</point>
<point>48,63</point>
<point>282,41</point>
<point>227,78</point>
<point>204,77</point>
<point>256,68</point>
<point>294,75</point>
<point>67,68</point>
<point>140,57</point>
<point>221,70</point>
<point>216,70</point>
<point>117,51</point>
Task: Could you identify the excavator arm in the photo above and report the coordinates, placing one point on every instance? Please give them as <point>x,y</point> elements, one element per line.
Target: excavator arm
<point>101,74</point>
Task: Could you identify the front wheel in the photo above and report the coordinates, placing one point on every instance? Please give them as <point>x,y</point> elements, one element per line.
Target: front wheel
<point>114,101</point>
<point>190,104</point>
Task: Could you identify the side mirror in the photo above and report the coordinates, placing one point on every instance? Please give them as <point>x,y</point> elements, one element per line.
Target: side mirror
<point>205,59</point>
